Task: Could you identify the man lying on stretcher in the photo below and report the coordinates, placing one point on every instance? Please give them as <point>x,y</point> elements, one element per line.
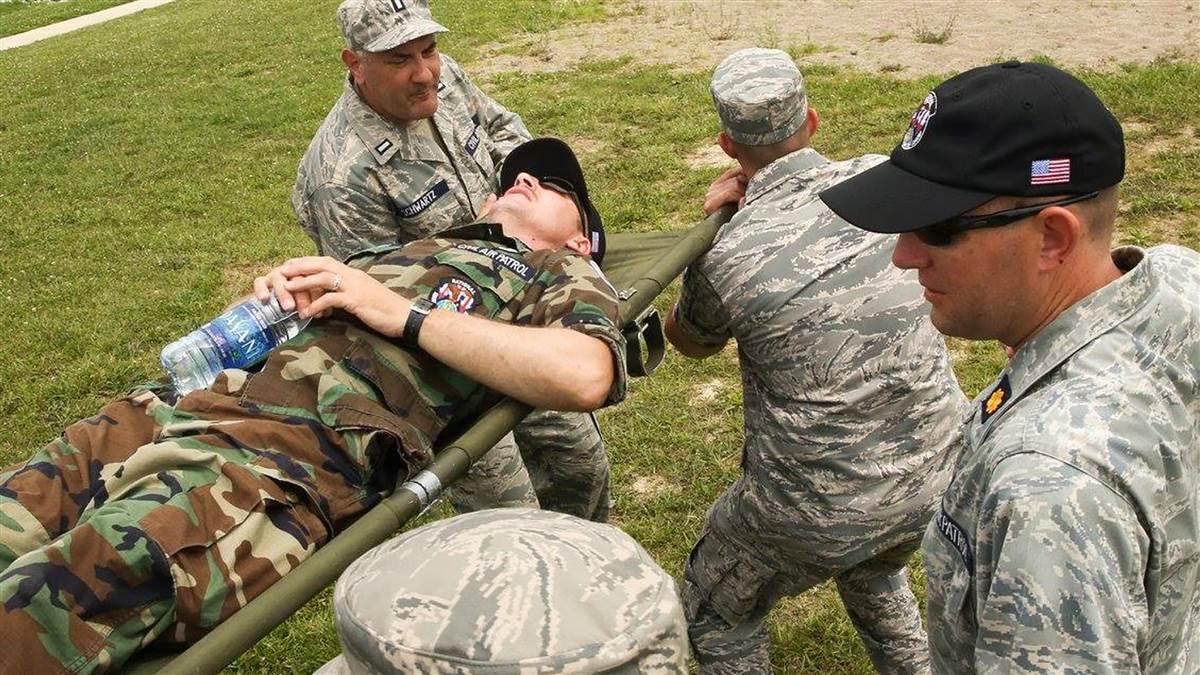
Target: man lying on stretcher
<point>156,520</point>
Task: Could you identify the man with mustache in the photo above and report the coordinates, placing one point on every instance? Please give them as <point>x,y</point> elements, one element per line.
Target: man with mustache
<point>1068,540</point>
<point>413,148</point>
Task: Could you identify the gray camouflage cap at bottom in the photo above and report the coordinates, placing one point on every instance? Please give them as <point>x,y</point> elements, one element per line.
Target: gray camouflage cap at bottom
<point>509,591</point>
<point>380,25</point>
<point>759,95</point>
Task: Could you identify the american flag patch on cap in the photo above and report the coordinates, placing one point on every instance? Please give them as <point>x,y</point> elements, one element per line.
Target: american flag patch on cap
<point>1047,171</point>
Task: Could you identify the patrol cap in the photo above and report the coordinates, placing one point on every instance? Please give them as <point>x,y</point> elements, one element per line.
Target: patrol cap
<point>759,96</point>
<point>552,157</point>
<point>1013,129</point>
<point>508,591</point>
<point>380,25</point>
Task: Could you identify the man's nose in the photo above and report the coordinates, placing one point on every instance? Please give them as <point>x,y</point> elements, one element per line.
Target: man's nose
<point>424,71</point>
<point>909,253</point>
<point>526,180</point>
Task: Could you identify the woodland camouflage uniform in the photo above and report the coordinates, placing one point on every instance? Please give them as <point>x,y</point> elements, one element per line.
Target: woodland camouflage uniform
<point>157,520</point>
<point>366,181</point>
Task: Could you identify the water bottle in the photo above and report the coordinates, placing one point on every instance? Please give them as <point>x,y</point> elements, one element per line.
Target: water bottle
<point>239,338</point>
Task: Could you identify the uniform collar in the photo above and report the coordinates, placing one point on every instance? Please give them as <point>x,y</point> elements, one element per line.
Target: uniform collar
<point>485,231</point>
<point>1080,325</point>
<point>385,139</point>
<point>788,167</point>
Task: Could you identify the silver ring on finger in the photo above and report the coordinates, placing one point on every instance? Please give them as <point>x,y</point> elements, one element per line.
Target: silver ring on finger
<point>337,283</point>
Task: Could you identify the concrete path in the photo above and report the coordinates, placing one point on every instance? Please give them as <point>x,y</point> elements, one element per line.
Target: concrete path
<point>31,36</point>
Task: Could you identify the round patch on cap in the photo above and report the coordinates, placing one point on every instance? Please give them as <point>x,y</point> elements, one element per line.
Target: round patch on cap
<point>455,295</point>
<point>920,122</point>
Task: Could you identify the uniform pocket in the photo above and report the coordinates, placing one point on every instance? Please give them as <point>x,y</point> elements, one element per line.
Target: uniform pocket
<point>227,542</point>
<point>728,577</point>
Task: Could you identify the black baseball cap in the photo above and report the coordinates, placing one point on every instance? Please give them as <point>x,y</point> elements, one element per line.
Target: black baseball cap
<point>550,157</point>
<point>1014,129</point>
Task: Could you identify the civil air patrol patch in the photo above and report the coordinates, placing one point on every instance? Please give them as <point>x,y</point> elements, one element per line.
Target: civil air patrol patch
<point>920,122</point>
<point>455,294</point>
<point>472,143</point>
<point>996,400</point>
<point>426,200</point>
<point>383,146</point>
<point>956,535</point>
<point>507,261</point>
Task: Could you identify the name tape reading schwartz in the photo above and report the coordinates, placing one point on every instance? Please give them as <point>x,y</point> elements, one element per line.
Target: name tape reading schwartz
<point>515,265</point>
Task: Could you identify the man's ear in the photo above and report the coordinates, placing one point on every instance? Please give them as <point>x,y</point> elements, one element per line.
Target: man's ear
<point>812,121</point>
<point>1062,233</point>
<point>579,244</point>
<point>353,64</point>
<point>726,144</point>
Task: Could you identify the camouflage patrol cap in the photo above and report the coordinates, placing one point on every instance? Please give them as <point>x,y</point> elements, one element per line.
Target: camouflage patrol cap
<point>509,591</point>
<point>380,25</point>
<point>759,95</point>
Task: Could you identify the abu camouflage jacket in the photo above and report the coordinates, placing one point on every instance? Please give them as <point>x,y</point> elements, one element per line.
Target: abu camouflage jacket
<point>366,182</point>
<point>1069,538</point>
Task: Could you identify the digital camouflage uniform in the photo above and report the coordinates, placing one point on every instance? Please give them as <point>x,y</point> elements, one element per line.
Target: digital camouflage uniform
<point>850,404</point>
<point>365,181</point>
<point>154,520</point>
<point>1069,540</point>
<point>508,592</point>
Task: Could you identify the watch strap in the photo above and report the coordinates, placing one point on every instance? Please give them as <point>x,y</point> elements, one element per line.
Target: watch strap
<point>412,327</point>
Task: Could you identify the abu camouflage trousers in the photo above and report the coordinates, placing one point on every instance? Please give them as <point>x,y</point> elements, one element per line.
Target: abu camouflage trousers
<point>155,521</point>
<point>561,465</point>
<point>732,581</point>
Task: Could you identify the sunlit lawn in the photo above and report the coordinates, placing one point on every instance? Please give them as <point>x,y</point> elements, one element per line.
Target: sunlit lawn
<point>145,169</point>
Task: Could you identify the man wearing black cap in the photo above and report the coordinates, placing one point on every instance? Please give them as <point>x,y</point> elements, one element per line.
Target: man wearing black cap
<point>1069,539</point>
<point>156,519</point>
<point>411,149</point>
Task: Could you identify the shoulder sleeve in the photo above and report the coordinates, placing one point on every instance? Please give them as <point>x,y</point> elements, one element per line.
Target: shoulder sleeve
<point>505,128</point>
<point>343,220</point>
<point>1059,572</point>
<point>699,311</point>
<point>572,292</point>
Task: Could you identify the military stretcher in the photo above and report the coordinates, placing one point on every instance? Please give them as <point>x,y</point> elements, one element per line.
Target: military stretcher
<point>639,265</point>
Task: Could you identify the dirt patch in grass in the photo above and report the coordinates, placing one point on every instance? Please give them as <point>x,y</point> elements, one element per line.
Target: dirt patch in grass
<point>906,40</point>
<point>648,487</point>
<point>708,156</point>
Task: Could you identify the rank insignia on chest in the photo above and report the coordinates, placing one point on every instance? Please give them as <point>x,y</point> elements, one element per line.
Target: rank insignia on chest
<point>455,295</point>
<point>996,400</point>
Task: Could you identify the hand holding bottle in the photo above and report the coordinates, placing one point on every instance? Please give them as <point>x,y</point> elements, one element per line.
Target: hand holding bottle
<point>316,286</point>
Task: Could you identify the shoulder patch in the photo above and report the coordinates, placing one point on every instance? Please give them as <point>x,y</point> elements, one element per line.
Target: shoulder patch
<point>426,200</point>
<point>996,400</point>
<point>472,143</point>
<point>506,260</point>
<point>455,294</point>
<point>957,536</point>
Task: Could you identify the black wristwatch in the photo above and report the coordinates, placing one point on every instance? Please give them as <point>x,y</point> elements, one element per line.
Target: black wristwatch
<point>412,327</point>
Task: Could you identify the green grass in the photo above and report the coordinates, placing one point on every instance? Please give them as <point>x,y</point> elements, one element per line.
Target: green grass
<point>22,15</point>
<point>145,178</point>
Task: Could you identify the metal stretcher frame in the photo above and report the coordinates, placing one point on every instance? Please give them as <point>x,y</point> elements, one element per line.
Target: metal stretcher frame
<point>639,265</point>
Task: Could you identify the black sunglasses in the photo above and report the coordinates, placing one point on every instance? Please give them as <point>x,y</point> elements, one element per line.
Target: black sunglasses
<point>565,187</point>
<point>945,232</point>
